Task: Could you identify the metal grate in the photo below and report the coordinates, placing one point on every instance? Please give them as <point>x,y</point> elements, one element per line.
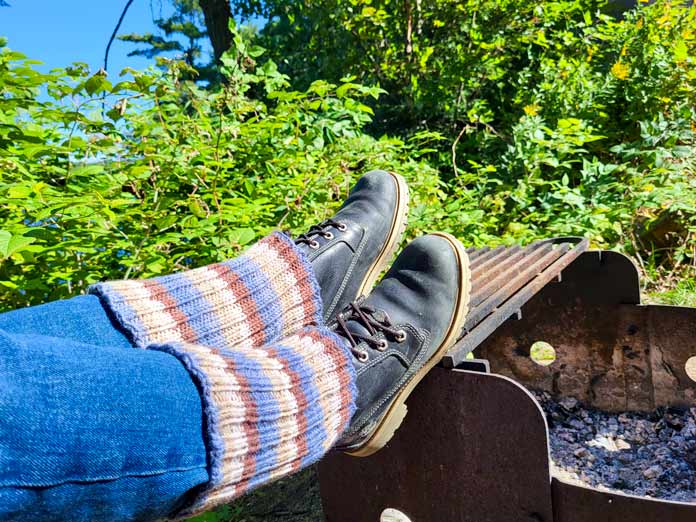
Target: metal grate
<point>503,279</point>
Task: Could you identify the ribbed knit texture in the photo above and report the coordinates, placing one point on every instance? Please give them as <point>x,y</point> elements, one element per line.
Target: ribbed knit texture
<point>267,293</point>
<point>270,411</point>
<point>277,387</point>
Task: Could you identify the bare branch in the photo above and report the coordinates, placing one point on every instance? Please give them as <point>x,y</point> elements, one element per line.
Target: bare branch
<point>113,35</point>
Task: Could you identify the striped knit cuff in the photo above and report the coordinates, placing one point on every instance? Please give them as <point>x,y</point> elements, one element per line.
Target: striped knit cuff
<point>268,292</point>
<point>269,412</point>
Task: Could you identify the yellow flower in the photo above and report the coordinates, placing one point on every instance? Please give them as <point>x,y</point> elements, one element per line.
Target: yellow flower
<point>620,70</point>
<point>639,23</point>
<point>531,110</point>
<point>590,53</point>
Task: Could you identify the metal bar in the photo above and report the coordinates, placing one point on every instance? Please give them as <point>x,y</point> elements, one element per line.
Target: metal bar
<point>477,253</point>
<point>484,267</point>
<point>509,280</point>
<point>516,282</point>
<point>487,256</point>
<point>493,305</point>
<point>480,280</point>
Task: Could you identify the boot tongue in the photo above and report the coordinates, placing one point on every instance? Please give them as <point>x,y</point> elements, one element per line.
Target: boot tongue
<point>380,315</point>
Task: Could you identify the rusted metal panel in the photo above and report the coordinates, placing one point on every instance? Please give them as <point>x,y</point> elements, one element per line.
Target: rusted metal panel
<point>474,445</point>
<point>573,503</point>
<point>503,280</point>
<point>609,354</point>
<point>473,448</point>
<point>671,341</point>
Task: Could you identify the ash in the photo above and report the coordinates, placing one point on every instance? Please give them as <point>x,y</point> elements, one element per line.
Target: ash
<point>645,454</point>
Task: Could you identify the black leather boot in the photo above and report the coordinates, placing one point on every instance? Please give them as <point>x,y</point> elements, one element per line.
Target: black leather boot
<point>399,332</point>
<point>349,251</point>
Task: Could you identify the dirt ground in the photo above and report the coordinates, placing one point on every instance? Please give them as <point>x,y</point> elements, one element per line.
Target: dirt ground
<point>294,499</point>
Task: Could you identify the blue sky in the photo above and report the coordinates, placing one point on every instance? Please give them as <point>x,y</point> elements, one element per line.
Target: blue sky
<point>59,32</point>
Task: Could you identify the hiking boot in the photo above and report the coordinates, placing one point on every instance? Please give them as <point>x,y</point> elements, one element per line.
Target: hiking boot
<point>399,332</point>
<point>349,251</point>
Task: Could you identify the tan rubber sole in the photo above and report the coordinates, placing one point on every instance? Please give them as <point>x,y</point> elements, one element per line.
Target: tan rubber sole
<point>399,221</point>
<point>397,411</point>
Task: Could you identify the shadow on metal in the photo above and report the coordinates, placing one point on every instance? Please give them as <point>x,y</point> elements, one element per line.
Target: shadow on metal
<point>474,445</point>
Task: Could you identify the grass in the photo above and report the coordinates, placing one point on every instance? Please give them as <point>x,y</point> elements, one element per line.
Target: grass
<point>682,293</point>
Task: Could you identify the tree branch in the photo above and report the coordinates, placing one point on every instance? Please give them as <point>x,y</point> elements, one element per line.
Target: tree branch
<point>113,35</point>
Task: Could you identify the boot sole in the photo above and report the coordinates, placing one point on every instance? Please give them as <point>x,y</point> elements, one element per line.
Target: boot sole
<point>397,410</point>
<point>399,221</point>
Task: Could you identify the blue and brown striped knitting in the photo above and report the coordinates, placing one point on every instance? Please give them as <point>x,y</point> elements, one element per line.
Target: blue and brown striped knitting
<point>254,299</point>
<point>277,387</point>
<point>270,411</point>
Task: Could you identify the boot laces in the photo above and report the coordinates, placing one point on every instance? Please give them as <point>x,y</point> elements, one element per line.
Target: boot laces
<point>374,321</point>
<point>321,229</point>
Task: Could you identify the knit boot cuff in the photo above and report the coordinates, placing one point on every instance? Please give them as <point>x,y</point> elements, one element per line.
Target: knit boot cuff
<point>269,412</point>
<point>268,292</point>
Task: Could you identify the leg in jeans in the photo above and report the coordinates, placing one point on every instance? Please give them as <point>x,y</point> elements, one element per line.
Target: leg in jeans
<point>207,305</point>
<point>82,319</point>
<point>238,382</point>
<point>93,431</point>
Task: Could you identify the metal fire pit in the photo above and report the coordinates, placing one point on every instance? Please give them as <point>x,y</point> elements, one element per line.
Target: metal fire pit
<point>474,446</point>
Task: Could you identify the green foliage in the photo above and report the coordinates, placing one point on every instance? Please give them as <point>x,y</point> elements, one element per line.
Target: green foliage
<point>169,175</point>
<point>516,120</point>
<point>683,293</point>
<point>556,118</point>
<point>597,137</point>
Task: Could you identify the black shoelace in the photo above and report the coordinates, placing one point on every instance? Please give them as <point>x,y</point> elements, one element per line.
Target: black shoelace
<point>308,237</point>
<point>373,321</point>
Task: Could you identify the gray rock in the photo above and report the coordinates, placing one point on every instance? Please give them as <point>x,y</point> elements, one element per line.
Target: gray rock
<point>652,472</point>
<point>581,453</point>
<point>641,454</point>
<point>569,403</point>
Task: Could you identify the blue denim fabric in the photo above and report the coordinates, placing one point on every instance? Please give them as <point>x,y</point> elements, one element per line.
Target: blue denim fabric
<point>81,318</point>
<point>92,429</point>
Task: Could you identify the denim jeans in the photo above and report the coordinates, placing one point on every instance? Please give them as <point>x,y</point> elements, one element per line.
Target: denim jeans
<point>92,429</point>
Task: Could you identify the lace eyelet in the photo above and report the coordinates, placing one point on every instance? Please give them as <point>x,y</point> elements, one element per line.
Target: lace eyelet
<point>400,336</point>
<point>363,356</point>
<point>342,227</point>
<point>382,345</point>
<point>328,235</point>
<point>313,244</point>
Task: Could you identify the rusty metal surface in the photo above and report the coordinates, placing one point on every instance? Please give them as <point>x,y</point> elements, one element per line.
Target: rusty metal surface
<point>610,353</point>
<point>473,448</point>
<point>578,504</point>
<point>503,280</point>
<point>474,445</point>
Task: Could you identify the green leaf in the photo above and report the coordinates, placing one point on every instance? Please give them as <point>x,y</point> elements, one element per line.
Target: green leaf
<point>9,244</point>
<point>97,83</point>
<point>681,51</point>
<point>19,192</point>
<point>5,238</point>
<point>242,236</point>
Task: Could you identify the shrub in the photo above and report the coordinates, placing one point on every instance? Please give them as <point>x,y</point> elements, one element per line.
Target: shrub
<point>154,174</point>
<point>599,138</point>
<point>555,117</point>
